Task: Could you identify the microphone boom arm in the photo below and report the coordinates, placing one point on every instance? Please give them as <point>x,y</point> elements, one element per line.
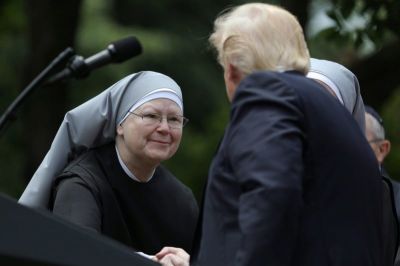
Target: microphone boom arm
<point>78,67</point>
<point>10,111</point>
<point>116,52</point>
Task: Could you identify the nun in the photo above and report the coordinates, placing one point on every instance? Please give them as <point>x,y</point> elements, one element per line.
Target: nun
<point>342,84</point>
<point>103,170</point>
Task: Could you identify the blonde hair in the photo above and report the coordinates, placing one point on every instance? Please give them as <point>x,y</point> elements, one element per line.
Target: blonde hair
<point>258,36</point>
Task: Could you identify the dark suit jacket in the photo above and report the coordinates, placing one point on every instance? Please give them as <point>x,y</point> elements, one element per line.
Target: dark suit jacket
<point>284,187</point>
<point>388,223</point>
<point>396,190</point>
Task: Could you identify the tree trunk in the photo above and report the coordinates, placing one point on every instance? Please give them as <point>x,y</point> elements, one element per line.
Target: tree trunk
<point>52,27</point>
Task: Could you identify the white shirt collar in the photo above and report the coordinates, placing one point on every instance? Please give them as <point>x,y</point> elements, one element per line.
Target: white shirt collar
<point>127,171</point>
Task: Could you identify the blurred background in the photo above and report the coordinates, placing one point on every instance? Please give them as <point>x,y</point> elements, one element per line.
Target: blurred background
<point>362,35</point>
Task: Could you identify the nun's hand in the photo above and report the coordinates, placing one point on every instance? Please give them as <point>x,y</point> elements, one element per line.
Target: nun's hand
<point>171,256</point>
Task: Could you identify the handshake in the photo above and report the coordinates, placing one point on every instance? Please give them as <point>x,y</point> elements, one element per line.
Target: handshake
<point>169,256</point>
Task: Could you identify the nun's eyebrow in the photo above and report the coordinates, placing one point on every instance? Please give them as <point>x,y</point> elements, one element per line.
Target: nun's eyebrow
<point>149,107</point>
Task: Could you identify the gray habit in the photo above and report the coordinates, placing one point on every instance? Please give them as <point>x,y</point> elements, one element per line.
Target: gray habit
<point>347,84</point>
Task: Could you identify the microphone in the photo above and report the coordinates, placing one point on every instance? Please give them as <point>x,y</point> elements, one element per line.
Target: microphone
<point>116,52</point>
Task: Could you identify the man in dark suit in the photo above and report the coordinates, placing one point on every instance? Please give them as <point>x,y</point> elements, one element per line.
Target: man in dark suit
<point>284,186</point>
<point>375,134</point>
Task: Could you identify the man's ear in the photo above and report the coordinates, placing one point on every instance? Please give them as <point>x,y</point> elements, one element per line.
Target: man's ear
<point>384,149</point>
<point>234,75</point>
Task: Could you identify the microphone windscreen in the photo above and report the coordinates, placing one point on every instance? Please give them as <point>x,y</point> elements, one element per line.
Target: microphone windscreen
<point>125,49</point>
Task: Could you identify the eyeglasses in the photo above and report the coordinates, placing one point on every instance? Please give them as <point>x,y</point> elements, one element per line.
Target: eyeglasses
<point>174,121</point>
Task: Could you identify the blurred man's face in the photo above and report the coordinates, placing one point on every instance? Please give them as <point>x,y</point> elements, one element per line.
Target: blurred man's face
<point>381,147</point>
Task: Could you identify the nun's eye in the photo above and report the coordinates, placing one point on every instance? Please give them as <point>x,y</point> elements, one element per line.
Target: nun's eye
<point>174,121</point>
<point>152,118</point>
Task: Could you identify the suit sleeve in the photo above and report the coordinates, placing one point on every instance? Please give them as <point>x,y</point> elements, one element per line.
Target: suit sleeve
<point>265,150</point>
<point>75,202</point>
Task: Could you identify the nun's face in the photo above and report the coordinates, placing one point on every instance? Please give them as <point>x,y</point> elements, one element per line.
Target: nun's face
<point>147,140</point>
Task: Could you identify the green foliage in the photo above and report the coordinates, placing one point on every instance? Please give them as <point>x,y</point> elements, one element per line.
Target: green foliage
<point>325,45</point>
<point>391,117</point>
<point>380,19</point>
<point>11,17</point>
<point>12,51</point>
<point>12,48</point>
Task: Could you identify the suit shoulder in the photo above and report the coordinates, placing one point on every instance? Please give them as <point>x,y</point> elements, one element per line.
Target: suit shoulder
<point>277,82</point>
<point>269,86</point>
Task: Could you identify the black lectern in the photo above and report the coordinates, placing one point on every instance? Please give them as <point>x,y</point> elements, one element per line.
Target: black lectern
<point>36,237</point>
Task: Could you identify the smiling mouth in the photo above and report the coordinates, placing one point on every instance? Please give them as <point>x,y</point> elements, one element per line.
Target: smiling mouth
<point>161,142</point>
